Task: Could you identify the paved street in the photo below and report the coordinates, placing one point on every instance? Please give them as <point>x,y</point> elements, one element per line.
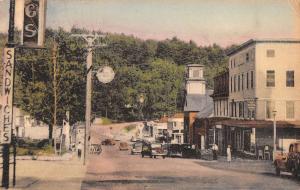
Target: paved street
<point>119,170</point>
<point>49,175</point>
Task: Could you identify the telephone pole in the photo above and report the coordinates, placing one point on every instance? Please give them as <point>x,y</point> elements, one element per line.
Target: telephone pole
<point>54,60</point>
<point>5,151</point>
<point>90,39</point>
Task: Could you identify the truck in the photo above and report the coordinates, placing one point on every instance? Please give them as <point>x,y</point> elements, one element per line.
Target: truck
<point>290,161</point>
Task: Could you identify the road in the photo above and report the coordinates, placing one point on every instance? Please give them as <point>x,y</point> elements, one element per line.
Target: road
<point>118,170</point>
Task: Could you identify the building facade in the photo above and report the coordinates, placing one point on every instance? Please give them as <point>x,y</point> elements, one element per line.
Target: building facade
<point>263,87</point>
<point>176,128</point>
<point>263,76</point>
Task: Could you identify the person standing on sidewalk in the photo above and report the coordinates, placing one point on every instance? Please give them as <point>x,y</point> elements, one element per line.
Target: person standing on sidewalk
<point>215,149</point>
<point>228,154</point>
<point>79,150</point>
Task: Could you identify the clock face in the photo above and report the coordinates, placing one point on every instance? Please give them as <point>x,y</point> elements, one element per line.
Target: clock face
<point>105,74</point>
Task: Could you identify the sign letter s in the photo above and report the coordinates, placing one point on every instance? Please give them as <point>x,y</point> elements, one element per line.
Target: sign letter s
<point>30,30</point>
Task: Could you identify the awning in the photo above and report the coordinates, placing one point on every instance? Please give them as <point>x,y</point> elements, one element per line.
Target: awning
<point>259,123</point>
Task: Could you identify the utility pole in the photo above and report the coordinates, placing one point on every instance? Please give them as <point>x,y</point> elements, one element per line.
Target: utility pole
<point>90,39</point>
<point>10,44</point>
<point>54,59</point>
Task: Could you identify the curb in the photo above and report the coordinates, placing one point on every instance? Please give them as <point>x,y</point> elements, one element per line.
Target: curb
<point>46,158</point>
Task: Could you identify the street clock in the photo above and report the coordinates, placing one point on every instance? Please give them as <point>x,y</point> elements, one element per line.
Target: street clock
<point>105,74</point>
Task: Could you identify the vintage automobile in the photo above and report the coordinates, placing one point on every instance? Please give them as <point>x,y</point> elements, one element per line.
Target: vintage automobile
<point>289,162</point>
<point>175,150</point>
<point>153,150</point>
<point>137,148</point>
<point>123,146</point>
<point>108,142</point>
<point>190,151</point>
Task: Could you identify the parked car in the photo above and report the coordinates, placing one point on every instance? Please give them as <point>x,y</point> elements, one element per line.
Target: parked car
<point>153,150</point>
<point>190,151</point>
<point>123,146</point>
<point>289,162</point>
<point>175,150</point>
<point>137,148</point>
<point>108,142</point>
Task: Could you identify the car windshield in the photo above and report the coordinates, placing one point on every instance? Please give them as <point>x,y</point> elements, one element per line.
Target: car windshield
<point>156,145</point>
<point>137,145</point>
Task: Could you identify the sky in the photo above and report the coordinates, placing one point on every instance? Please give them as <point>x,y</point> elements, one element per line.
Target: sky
<point>224,22</point>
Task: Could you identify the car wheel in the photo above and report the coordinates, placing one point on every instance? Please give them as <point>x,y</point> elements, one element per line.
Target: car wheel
<point>154,156</point>
<point>277,170</point>
<point>164,157</point>
<point>151,156</point>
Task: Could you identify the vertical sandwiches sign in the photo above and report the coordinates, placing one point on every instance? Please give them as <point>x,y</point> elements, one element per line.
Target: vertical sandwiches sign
<point>7,96</point>
<point>34,23</point>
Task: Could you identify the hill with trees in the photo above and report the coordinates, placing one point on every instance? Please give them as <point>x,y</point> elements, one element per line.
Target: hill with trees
<point>153,69</point>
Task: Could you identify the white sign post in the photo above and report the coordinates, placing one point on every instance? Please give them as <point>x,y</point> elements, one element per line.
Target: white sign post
<point>7,96</point>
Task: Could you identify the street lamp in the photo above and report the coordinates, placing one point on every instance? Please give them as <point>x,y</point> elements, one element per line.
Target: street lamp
<point>141,100</point>
<point>274,135</point>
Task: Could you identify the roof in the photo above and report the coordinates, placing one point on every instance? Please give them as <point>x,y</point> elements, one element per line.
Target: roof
<point>207,111</point>
<point>196,102</point>
<point>259,123</point>
<point>254,41</point>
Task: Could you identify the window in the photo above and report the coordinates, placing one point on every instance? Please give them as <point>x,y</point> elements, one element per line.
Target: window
<point>196,73</point>
<point>234,109</point>
<point>247,80</point>
<point>239,82</point>
<point>234,62</point>
<point>252,79</point>
<point>217,108</point>
<point>230,84</point>
<point>270,107</point>
<point>234,83</point>
<point>241,110</point>
<point>247,57</point>
<point>242,81</point>
<point>270,53</point>
<point>290,79</point>
<point>290,110</point>
<point>271,78</point>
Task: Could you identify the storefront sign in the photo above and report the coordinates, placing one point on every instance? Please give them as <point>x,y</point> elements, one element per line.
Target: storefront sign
<point>34,23</point>
<point>7,96</point>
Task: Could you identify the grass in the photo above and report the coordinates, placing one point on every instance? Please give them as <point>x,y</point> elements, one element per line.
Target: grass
<point>129,128</point>
<point>34,151</point>
<point>106,121</point>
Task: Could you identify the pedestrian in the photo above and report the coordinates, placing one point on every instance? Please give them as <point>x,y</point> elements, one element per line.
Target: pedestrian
<point>79,150</point>
<point>215,150</point>
<point>228,154</point>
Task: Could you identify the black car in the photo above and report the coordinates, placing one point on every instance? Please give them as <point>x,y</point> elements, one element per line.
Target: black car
<point>153,150</point>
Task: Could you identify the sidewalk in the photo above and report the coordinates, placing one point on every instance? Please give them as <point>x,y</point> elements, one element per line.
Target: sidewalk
<point>241,165</point>
<point>49,175</point>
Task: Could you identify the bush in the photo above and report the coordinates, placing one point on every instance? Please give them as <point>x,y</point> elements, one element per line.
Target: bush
<point>43,143</point>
